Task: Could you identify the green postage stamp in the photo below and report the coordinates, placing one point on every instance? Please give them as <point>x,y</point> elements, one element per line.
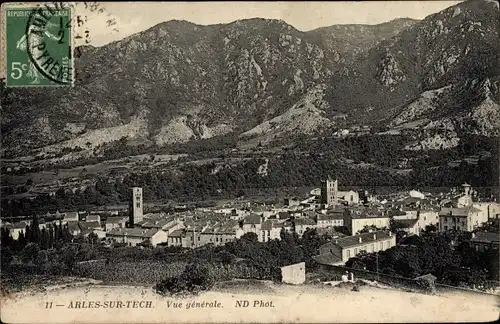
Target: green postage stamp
<point>37,45</point>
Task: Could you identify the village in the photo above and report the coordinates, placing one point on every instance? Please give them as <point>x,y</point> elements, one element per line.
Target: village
<point>356,221</point>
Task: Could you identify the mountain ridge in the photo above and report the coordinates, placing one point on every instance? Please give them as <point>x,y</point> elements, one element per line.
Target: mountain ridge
<point>178,81</point>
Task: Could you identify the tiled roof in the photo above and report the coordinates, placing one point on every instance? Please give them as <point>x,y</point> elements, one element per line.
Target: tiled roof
<point>485,237</point>
<point>351,241</point>
<point>329,230</point>
<point>19,225</point>
<point>360,213</point>
<point>267,225</point>
<point>458,212</point>
<point>156,223</point>
<point>86,232</point>
<point>208,230</point>
<point>343,193</point>
<point>94,224</point>
<point>304,221</point>
<point>396,212</point>
<point>405,223</point>
<point>327,258</point>
<point>177,233</point>
<point>283,215</point>
<point>330,216</point>
<point>74,226</point>
<point>117,219</point>
<point>410,200</point>
<point>91,218</point>
<point>252,219</point>
<point>71,215</point>
<point>133,232</point>
<point>141,223</point>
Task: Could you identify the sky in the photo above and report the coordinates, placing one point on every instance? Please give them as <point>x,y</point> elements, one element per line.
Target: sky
<point>130,17</point>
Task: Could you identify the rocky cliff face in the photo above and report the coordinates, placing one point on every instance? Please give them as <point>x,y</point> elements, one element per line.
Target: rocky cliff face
<point>453,49</point>
<point>178,81</point>
<point>186,81</point>
<point>346,42</point>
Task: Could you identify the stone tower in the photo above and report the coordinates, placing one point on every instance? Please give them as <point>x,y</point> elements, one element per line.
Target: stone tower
<point>329,191</point>
<point>135,206</point>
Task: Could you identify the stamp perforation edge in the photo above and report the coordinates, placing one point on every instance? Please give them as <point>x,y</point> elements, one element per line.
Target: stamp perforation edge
<point>3,43</point>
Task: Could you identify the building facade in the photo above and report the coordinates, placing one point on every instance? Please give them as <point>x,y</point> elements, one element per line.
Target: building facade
<point>356,222</point>
<point>330,219</point>
<point>340,250</point>
<point>484,241</point>
<point>349,197</point>
<point>294,274</point>
<point>459,219</point>
<point>135,236</point>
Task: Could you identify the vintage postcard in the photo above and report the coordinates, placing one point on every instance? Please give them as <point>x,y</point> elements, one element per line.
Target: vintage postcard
<point>250,162</point>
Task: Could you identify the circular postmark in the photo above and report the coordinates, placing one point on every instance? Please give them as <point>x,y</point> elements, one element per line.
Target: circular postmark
<point>49,47</point>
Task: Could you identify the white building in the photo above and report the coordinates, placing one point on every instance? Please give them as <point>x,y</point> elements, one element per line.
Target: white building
<point>134,236</point>
<point>339,251</point>
<point>294,274</point>
<point>115,222</point>
<point>357,220</point>
<point>252,224</point>
<point>489,210</point>
<point>416,194</point>
<point>303,224</point>
<point>460,219</point>
<point>16,229</point>
<point>331,218</point>
<point>270,230</point>
<point>350,197</point>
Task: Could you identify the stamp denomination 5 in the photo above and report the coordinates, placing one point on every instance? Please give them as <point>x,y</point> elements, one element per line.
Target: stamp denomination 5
<point>38,45</point>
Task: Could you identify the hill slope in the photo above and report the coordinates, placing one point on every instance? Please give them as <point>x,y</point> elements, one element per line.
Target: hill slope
<point>456,49</point>
<point>179,81</point>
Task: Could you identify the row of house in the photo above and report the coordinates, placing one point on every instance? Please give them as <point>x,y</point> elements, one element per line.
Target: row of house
<point>340,250</point>
<point>219,226</point>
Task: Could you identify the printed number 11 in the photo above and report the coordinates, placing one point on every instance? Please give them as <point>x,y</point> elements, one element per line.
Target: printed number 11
<point>48,304</point>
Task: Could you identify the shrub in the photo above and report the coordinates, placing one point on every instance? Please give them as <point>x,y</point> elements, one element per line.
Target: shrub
<point>196,277</point>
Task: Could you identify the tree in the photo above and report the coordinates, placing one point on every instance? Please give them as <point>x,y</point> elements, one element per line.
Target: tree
<point>356,263</point>
<point>29,253</point>
<point>35,230</point>
<point>400,236</point>
<point>198,276</point>
<point>195,277</point>
<point>42,260</point>
<point>342,229</point>
<point>249,238</point>
<point>430,228</point>
<point>68,256</point>
<point>44,239</point>
<point>6,238</point>
<point>392,224</point>
<point>21,240</point>
<point>7,255</point>
<point>226,257</point>
<point>50,239</point>
<point>310,243</point>
<point>94,239</point>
